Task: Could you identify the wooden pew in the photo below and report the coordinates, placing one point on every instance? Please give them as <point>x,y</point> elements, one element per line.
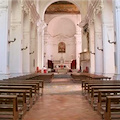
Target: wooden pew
<point>28,88</point>
<point>88,84</point>
<point>34,88</point>
<point>47,77</point>
<point>85,82</point>
<point>34,84</point>
<point>112,107</point>
<point>94,92</point>
<point>88,76</point>
<point>102,93</point>
<point>99,77</point>
<point>40,82</point>
<point>21,96</point>
<point>6,108</point>
<point>78,76</point>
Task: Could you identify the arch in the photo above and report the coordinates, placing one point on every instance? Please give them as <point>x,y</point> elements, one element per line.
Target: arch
<point>57,1</point>
<point>65,29</point>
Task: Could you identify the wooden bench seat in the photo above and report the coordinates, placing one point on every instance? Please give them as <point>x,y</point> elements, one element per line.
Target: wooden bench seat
<point>21,96</point>
<point>6,108</point>
<point>88,76</point>
<point>78,77</point>
<point>47,77</point>
<point>102,93</point>
<point>39,83</point>
<point>29,93</point>
<point>94,91</point>
<point>88,84</point>
<point>109,110</point>
<point>85,83</point>
<point>34,85</point>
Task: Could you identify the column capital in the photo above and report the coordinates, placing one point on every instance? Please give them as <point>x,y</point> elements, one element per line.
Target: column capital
<point>98,9</point>
<point>41,25</point>
<point>91,21</point>
<point>117,4</point>
<point>77,35</point>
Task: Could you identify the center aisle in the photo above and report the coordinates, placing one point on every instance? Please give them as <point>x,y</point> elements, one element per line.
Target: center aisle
<point>62,100</point>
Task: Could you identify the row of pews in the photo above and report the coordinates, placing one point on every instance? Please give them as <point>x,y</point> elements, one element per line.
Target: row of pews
<point>84,76</point>
<point>103,94</point>
<point>18,95</point>
<point>47,77</point>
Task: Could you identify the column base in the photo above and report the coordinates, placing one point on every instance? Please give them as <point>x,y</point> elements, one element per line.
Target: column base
<point>4,76</point>
<point>116,77</point>
<point>97,73</point>
<point>18,74</point>
<point>109,75</point>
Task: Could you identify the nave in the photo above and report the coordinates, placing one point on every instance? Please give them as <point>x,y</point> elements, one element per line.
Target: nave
<point>62,100</point>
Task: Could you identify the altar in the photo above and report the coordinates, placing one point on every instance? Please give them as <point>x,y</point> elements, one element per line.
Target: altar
<point>62,67</point>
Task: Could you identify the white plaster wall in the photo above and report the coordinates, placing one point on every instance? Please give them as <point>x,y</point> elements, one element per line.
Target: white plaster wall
<point>61,28</point>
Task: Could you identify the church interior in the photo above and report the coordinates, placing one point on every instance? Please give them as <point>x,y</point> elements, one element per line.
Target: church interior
<point>60,59</point>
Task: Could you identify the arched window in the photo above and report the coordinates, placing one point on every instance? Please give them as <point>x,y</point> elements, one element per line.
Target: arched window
<point>61,47</point>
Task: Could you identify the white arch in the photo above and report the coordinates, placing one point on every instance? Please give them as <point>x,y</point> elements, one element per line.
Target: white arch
<point>67,17</point>
<point>50,2</point>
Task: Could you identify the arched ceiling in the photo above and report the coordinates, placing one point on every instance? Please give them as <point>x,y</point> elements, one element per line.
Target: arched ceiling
<point>62,7</point>
<point>80,4</point>
<point>61,26</point>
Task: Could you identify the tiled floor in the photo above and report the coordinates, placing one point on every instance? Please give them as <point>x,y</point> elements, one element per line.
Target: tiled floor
<point>62,100</point>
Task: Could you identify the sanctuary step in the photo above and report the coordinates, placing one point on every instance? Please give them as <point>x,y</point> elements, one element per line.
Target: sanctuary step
<point>62,76</point>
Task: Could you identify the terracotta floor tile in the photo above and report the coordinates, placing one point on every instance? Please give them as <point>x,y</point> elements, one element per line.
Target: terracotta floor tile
<point>62,100</point>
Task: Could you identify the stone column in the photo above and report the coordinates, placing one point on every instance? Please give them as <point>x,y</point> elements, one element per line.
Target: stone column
<point>41,26</point>
<point>108,39</point>
<point>92,46</point>
<point>4,38</point>
<point>117,37</point>
<point>33,48</point>
<point>16,35</point>
<point>98,43</point>
<point>47,49</point>
<point>26,43</point>
<point>78,50</point>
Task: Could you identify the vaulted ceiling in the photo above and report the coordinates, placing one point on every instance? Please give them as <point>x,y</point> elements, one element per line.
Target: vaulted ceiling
<point>62,7</point>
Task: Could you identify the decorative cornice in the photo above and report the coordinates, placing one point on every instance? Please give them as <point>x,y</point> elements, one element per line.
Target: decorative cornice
<point>94,6</point>
<point>41,25</point>
<point>29,7</point>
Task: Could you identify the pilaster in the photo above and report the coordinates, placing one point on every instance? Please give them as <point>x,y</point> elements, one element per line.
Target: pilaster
<point>26,43</point>
<point>92,46</point>
<point>98,42</point>
<point>78,49</point>
<point>41,25</point>
<point>5,34</point>
<point>16,35</point>
<point>33,48</point>
<point>117,31</point>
